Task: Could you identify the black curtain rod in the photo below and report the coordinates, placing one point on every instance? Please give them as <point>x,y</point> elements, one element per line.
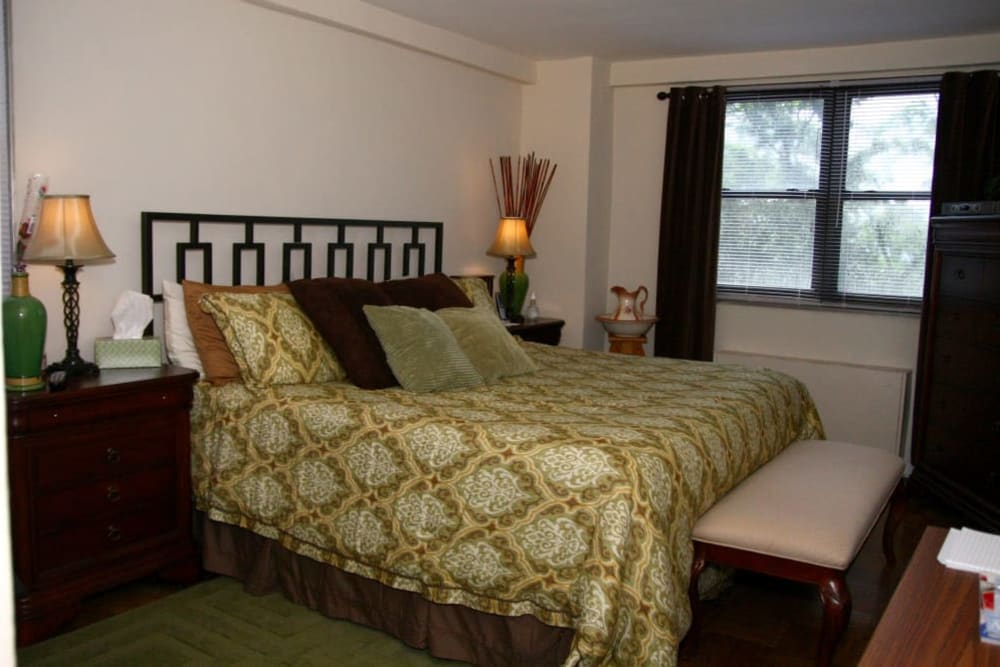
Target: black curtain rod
<point>662,95</point>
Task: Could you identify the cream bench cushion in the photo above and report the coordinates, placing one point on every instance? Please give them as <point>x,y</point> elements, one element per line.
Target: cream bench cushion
<point>816,502</point>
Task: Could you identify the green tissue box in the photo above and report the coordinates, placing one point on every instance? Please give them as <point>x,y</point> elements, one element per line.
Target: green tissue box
<point>128,352</point>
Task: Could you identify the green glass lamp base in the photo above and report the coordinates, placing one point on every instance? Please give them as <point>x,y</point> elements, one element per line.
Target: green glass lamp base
<point>24,323</point>
<point>513,291</point>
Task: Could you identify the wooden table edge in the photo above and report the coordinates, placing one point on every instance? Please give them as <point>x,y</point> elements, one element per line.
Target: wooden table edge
<point>933,616</point>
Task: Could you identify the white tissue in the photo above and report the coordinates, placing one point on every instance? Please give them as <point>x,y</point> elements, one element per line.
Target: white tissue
<point>132,313</point>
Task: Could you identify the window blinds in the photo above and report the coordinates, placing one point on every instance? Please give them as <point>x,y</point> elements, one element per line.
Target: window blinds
<point>826,193</point>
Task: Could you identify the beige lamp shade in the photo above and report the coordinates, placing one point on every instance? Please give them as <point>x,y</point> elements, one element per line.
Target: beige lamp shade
<point>512,239</point>
<point>66,231</point>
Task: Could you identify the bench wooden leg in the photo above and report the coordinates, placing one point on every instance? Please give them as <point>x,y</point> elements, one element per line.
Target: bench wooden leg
<point>897,508</point>
<point>836,599</point>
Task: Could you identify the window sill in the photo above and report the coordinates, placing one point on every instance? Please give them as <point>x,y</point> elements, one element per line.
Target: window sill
<point>797,303</point>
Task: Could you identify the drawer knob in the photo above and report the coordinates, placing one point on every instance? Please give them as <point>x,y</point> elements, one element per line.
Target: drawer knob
<point>113,455</point>
<point>960,274</point>
<point>114,494</point>
<point>114,533</point>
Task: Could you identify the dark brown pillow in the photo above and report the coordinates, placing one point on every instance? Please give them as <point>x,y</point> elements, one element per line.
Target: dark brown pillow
<point>433,292</point>
<point>334,306</point>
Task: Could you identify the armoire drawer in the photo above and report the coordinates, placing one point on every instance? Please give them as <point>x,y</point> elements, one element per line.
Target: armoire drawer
<point>968,276</point>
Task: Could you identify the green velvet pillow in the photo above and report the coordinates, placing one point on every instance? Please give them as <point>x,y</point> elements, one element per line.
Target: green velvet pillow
<point>487,343</point>
<point>478,293</point>
<point>421,350</point>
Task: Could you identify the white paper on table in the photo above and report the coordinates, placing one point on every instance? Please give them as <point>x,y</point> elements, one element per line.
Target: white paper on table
<point>971,551</point>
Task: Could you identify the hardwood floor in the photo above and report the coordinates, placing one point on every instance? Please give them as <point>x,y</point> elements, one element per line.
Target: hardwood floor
<point>756,621</point>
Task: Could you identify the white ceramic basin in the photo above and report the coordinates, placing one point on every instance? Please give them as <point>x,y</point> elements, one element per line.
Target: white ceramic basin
<point>633,328</point>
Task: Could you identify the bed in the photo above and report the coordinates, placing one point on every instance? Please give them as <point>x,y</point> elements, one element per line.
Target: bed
<point>541,518</point>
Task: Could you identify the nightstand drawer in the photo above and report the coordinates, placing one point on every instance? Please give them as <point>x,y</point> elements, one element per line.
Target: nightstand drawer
<point>43,418</point>
<point>102,497</point>
<point>104,537</point>
<point>104,451</point>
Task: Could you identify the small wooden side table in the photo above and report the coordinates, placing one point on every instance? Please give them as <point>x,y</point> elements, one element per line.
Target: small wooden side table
<point>933,617</point>
<point>547,330</point>
<point>100,489</point>
<point>633,345</point>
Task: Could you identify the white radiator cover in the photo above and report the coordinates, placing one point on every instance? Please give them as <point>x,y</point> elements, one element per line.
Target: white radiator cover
<point>867,405</point>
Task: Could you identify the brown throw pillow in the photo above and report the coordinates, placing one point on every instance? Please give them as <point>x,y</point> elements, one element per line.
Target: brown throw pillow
<point>219,364</point>
<point>433,292</point>
<point>335,307</point>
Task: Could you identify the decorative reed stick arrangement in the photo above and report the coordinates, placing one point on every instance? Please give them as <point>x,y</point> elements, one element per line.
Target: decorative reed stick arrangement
<point>524,188</point>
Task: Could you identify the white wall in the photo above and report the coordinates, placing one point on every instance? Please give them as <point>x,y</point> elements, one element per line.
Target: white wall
<point>598,203</point>
<point>567,116</point>
<point>228,107</point>
<point>639,134</point>
<point>366,19</point>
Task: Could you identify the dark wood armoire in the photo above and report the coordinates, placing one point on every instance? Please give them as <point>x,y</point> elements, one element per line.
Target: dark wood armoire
<point>956,434</point>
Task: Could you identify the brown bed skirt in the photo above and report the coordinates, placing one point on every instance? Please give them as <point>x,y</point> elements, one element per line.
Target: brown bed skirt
<point>446,631</point>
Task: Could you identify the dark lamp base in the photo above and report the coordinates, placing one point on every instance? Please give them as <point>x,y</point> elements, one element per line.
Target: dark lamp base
<point>74,367</point>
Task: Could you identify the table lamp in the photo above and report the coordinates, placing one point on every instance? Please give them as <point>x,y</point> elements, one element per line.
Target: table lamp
<point>67,236</point>
<point>511,242</point>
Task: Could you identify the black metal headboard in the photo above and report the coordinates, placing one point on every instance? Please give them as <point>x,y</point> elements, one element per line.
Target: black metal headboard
<point>380,249</point>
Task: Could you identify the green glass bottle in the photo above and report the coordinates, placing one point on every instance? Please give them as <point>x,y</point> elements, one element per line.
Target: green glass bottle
<point>23,337</point>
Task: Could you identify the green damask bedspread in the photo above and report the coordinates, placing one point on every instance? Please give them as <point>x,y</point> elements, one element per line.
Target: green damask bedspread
<point>568,494</point>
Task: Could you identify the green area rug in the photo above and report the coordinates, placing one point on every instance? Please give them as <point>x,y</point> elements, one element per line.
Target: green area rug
<point>216,623</point>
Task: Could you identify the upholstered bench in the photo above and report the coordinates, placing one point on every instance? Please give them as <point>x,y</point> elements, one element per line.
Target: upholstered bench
<point>804,516</point>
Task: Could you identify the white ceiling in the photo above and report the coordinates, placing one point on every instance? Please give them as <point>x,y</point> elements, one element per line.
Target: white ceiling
<point>637,29</point>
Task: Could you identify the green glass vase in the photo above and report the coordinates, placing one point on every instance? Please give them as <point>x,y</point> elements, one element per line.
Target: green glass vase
<point>516,283</point>
<point>23,337</point>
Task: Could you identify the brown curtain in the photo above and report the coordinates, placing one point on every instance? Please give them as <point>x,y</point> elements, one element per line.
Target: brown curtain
<point>689,224</point>
<point>967,153</point>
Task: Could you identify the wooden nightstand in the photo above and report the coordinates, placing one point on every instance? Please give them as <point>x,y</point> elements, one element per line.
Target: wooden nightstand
<point>100,489</point>
<point>543,330</point>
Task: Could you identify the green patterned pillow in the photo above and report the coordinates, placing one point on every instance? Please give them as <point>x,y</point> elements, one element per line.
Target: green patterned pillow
<point>487,343</point>
<point>422,352</point>
<point>271,339</point>
<point>475,289</point>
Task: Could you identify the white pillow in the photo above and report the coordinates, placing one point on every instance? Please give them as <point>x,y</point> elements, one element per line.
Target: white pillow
<point>176,332</point>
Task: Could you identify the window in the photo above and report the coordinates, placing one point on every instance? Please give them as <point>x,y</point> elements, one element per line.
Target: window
<point>826,194</point>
